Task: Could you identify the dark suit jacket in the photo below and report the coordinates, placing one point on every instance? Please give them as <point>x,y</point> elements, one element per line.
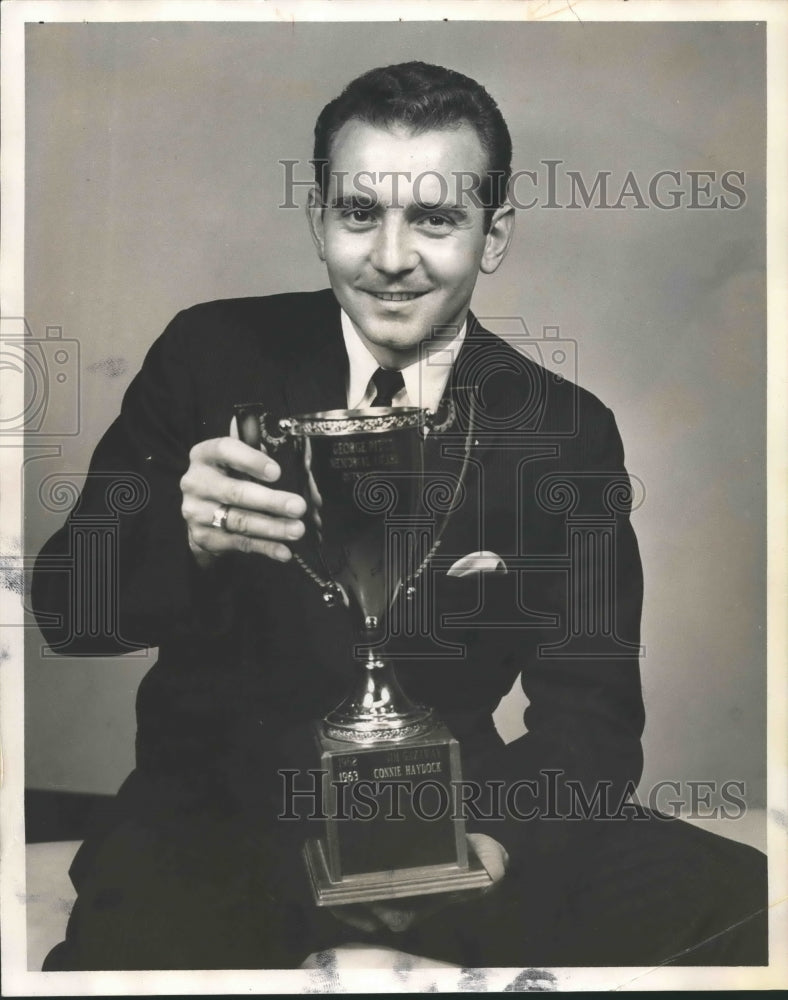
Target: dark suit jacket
<point>249,653</point>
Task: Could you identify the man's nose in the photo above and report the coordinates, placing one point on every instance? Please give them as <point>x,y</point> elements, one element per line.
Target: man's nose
<point>393,251</point>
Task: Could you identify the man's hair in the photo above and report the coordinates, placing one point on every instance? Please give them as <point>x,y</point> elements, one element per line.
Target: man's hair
<point>421,97</point>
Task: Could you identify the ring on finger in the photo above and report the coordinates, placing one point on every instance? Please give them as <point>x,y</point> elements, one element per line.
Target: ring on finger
<point>220,517</point>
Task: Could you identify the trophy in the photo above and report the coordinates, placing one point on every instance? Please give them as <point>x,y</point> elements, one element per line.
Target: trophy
<point>389,765</point>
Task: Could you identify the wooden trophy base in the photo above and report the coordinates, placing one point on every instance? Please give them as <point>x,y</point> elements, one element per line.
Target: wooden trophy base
<point>394,884</point>
<point>377,847</point>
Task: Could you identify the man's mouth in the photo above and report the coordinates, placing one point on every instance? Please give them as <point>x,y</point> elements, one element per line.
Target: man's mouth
<point>396,296</point>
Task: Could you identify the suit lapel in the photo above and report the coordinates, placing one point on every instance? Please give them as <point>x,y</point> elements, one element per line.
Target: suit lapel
<point>452,455</point>
<point>464,394</point>
<point>318,370</point>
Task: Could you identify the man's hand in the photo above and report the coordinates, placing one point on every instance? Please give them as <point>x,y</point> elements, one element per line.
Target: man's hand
<point>399,916</point>
<point>355,956</point>
<point>259,519</point>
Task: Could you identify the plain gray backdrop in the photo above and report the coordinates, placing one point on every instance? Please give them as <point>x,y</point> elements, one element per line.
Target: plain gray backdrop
<point>153,182</point>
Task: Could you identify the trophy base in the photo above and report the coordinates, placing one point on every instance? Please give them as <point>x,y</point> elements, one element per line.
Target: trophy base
<point>392,827</point>
<point>396,884</point>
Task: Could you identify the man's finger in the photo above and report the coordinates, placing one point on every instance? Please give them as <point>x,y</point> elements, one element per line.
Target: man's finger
<point>491,854</point>
<point>245,522</point>
<point>238,493</point>
<point>396,918</point>
<point>211,486</point>
<point>230,453</point>
<point>217,541</point>
<point>356,916</point>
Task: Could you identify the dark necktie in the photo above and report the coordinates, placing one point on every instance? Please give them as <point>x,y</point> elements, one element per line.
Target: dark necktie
<point>387,383</point>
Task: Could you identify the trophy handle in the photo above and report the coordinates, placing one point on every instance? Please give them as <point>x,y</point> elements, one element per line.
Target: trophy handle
<point>274,441</point>
<point>441,419</point>
<point>254,427</point>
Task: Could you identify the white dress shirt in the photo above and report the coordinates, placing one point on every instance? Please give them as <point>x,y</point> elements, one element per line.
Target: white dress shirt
<point>425,380</point>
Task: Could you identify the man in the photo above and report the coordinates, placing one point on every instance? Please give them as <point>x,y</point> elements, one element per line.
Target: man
<point>192,869</point>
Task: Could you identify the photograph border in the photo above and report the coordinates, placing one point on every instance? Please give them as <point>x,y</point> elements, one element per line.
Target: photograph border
<point>16,980</point>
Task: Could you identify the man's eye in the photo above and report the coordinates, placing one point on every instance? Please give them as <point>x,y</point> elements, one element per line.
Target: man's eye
<point>437,222</point>
<point>360,216</point>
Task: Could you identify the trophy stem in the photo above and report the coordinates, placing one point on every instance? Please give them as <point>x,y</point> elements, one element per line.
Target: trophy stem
<point>377,710</point>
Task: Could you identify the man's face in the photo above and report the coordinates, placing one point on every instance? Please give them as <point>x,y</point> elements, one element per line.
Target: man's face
<point>404,248</point>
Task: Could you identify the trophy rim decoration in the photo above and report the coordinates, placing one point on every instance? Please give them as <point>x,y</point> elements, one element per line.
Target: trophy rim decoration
<point>368,420</point>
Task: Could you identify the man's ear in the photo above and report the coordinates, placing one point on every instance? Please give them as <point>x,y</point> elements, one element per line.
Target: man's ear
<point>314,216</point>
<point>498,238</point>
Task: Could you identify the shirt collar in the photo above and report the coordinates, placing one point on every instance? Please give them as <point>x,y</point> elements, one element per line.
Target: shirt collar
<point>425,380</point>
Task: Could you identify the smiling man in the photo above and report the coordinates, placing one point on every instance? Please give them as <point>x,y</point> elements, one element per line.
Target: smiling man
<point>193,868</point>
